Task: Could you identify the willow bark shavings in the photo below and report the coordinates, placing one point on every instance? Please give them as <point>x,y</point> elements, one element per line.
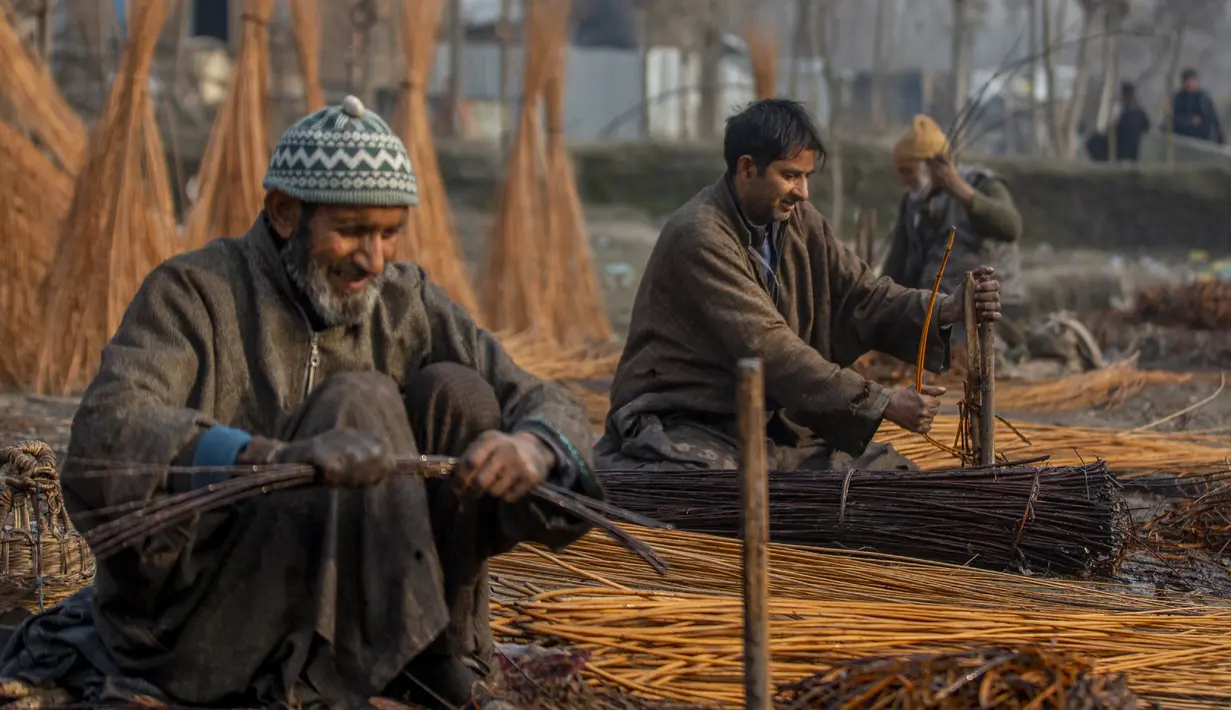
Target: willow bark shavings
<point>34,200</point>
<point>120,224</point>
<point>430,237</point>
<point>35,101</point>
<point>306,25</point>
<point>229,192</point>
<point>679,637</point>
<point>1041,520</point>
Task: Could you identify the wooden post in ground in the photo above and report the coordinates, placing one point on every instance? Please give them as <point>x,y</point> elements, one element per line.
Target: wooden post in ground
<point>974,387</point>
<point>987,386</point>
<point>755,494</point>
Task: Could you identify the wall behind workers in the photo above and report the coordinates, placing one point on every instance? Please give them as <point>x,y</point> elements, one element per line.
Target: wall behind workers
<point>1065,204</point>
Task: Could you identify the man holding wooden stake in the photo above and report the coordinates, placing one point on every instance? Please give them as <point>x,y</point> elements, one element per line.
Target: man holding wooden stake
<point>749,269</point>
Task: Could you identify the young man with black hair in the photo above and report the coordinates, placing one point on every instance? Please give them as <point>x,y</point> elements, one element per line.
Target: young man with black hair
<point>749,268</point>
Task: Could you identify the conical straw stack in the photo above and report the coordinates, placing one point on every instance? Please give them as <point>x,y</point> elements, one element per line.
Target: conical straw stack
<point>430,236</point>
<point>306,23</point>
<point>572,292</point>
<point>230,195</point>
<point>121,222</point>
<point>512,284</point>
<point>763,56</point>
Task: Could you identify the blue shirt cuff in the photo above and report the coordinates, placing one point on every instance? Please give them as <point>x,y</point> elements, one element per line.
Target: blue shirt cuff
<point>220,446</point>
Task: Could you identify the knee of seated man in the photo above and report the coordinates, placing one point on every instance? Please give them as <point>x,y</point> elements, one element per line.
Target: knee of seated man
<point>456,388</point>
<point>373,389</point>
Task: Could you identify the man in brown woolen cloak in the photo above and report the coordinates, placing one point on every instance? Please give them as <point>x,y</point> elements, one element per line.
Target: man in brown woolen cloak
<point>749,268</point>
<point>302,343</point>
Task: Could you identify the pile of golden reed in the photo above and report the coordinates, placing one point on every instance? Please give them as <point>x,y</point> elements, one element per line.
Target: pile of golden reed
<point>229,192</point>
<point>680,637</point>
<point>121,222</point>
<point>430,237</point>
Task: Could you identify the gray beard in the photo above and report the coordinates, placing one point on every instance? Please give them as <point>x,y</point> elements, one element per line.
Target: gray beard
<point>920,193</point>
<point>333,308</point>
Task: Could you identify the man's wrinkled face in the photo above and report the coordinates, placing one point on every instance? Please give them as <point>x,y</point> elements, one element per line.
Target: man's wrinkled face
<point>338,257</point>
<point>771,196</point>
<point>914,176</point>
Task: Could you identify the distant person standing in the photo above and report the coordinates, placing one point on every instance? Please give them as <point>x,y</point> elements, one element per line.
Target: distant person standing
<point>1192,112</point>
<point>1132,124</point>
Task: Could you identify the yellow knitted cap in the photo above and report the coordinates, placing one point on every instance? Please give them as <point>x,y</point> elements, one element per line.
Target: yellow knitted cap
<point>923,140</point>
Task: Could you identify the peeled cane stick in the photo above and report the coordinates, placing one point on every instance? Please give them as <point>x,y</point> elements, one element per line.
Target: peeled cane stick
<point>754,475</point>
<point>927,318</point>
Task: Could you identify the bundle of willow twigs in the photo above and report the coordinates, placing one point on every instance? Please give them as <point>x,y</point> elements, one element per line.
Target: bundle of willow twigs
<point>763,57</point>
<point>678,637</point>
<point>1202,522</point>
<point>136,520</point>
<point>578,313</point>
<point>1012,679</point>
<point>229,192</point>
<point>121,223</point>
<point>430,237</point>
<point>306,24</point>
<point>1045,520</point>
<point>512,296</point>
<point>31,94</point>
<point>549,361</point>
<point>1130,453</point>
<point>34,198</point>
<point>1201,306</point>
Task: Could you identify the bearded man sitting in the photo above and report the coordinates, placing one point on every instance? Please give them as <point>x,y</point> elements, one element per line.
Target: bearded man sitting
<point>302,343</point>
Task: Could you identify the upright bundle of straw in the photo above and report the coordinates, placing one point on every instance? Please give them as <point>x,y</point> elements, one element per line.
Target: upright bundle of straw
<point>229,182</point>
<point>763,57</point>
<point>306,23</point>
<point>572,294</point>
<point>512,297</point>
<point>36,102</point>
<point>430,236</point>
<point>121,222</point>
<point>34,198</point>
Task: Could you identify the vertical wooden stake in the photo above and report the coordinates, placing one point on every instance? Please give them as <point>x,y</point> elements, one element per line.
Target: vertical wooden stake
<point>974,388</point>
<point>755,493</point>
<point>987,385</point>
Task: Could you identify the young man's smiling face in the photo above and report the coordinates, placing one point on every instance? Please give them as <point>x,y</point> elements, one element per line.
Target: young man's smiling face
<point>771,196</point>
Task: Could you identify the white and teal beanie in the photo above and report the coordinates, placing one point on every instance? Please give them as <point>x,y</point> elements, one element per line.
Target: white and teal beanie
<point>343,155</point>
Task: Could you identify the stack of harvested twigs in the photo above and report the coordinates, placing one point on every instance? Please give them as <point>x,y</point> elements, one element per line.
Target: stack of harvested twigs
<point>430,238</point>
<point>34,199</point>
<point>1201,306</point>
<point>30,93</point>
<point>577,311</point>
<point>229,192</point>
<point>512,297</point>
<point>121,223</point>
<point>986,678</point>
<point>306,24</point>
<point>680,637</point>
<point>1131,453</point>
<point>1045,520</point>
<point>1201,522</point>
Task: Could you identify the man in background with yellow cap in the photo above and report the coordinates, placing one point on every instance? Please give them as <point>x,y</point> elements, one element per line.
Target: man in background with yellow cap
<point>939,195</point>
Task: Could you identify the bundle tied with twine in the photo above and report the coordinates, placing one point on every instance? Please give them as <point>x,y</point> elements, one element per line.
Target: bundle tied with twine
<point>306,26</point>
<point>34,199</point>
<point>229,192</point>
<point>43,559</point>
<point>513,299</point>
<point>121,223</point>
<point>31,95</point>
<point>577,310</point>
<point>430,237</point>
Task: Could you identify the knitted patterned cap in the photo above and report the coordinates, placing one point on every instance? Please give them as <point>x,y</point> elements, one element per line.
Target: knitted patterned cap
<point>343,155</point>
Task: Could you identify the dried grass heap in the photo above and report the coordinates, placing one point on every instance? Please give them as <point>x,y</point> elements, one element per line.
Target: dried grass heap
<point>430,237</point>
<point>229,192</point>
<point>306,26</point>
<point>121,223</point>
